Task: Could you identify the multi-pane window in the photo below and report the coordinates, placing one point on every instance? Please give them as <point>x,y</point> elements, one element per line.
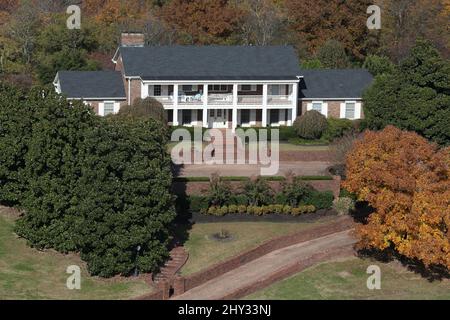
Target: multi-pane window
<point>317,106</point>
<point>246,87</point>
<point>108,108</point>
<point>157,90</point>
<point>350,110</point>
<point>218,87</point>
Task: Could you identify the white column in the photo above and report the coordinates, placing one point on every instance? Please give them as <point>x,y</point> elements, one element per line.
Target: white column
<point>294,101</point>
<point>235,103</point>
<point>264,106</point>
<point>205,105</point>
<point>175,105</point>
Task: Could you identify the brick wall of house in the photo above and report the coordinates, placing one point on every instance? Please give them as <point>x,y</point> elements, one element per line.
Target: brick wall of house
<point>95,104</point>
<point>334,108</point>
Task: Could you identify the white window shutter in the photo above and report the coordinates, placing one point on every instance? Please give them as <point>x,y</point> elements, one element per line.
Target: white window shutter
<point>116,107</point>
<point>101,109</point>
<point>309,107</point>
<point>325,109</point>
<point>342,110</point>
<point>358,110</point>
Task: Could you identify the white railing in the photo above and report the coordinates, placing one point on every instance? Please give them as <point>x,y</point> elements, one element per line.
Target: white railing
<point>165,100</point>
<point>190,100</point>
<point>252,100</point>
<point>279,99</point>
<point>220,98</point>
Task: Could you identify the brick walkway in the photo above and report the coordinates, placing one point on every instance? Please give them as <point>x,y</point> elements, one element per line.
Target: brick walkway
<point>267,267</point>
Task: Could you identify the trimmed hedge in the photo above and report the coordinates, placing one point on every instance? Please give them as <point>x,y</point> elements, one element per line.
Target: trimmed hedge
<point>321,200</point>
<point>259,210</point>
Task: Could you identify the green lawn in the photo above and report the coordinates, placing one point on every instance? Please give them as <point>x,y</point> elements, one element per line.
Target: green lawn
<point>346,279</point>
<point>205,251</point>
<point>26,273</point>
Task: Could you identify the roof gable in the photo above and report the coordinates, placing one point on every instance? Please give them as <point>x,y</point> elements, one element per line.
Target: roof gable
<point>211,62</point>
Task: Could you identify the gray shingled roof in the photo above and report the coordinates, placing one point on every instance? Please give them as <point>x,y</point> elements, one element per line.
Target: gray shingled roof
<point>334,83</point>
<point>92,84</point>
<point>211,62</point>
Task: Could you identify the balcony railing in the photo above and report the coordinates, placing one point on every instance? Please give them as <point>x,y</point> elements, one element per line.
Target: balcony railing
<point>279,100</point>
<point>225,99</point>
<point>220,98</point>
<point>165,100</point>
<point>252,100</point>
<point>190,100</point>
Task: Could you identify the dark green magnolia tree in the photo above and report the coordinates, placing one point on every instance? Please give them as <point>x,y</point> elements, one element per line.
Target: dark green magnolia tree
<point>16,120</point>
<point>124,199</point>
<point>96,186</point>
<point>52,171</point>
<point>416,96</point>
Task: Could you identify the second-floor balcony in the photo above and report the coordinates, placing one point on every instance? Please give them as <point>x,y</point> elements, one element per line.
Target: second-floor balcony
<point>222,95</point>
<point>250,99</point>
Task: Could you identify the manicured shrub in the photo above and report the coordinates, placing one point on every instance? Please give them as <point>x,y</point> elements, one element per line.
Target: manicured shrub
<point>223,210</point>
<point>232,208</point>
<point>240,199</point>
<point>147,108</point>
<point>343,205</point>
<point>280,198</point>
<point>287,133</point>
<point>198,203</point>
<point>311,125</point>
<point>212,210</point>
<point>294,190</point>
<point>258,211</point>
<point>219,192</point>
<point>242,209</point>
<point>296,211</point>
<point>320,200</point>
<point>337,128</point>
<point>287,209</point>
<point>258,191</point>
<point>278,208</point>
<point>266,210</point>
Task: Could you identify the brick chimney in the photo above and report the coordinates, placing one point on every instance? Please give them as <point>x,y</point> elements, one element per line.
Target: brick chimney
<point>132,40</point>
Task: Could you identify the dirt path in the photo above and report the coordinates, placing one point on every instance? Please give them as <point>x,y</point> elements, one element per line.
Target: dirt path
<point>266,266</point>
<point>303,168</point>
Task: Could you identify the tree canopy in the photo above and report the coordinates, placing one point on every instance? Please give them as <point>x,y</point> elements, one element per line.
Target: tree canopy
<point>415,96</point>
<point>406,180</point>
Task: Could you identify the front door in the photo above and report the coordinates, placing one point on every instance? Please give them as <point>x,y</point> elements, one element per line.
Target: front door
<point>218,118</point>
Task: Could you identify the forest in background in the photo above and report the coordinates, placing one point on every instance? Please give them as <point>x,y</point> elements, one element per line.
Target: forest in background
<point>35,42</point>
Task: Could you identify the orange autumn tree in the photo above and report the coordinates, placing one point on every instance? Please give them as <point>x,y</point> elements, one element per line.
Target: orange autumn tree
<point>406,180</point>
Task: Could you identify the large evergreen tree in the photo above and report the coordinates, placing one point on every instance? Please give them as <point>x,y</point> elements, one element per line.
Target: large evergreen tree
<point>416,96</point>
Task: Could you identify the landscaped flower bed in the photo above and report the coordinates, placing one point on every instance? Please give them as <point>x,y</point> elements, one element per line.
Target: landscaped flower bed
<point>257,198</point>
<point>259,210</point>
